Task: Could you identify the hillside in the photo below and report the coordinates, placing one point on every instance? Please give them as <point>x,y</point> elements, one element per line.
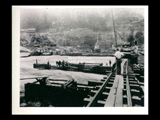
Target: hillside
<point>80,27</point>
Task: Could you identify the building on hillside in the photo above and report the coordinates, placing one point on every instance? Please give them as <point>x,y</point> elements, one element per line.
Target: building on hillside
<point>52,30</point>
<point>23,30</point>
<point>30,31</point>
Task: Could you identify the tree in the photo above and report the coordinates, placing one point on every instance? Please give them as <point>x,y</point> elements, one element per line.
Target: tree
<point>130,38</point>
<point>140,37</point>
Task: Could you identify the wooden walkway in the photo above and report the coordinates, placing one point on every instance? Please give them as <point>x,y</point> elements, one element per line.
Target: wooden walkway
<point>115,98</point>
<point>114,84</point>
<point>112,91</point>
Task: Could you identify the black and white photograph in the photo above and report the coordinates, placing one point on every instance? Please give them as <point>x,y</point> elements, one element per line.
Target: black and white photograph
<point>66,58</point>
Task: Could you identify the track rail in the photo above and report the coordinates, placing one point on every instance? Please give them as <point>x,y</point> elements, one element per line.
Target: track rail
<point>129,99</point>
<point>117,91</point>
<point>98,93</point>
<point>112,91</point>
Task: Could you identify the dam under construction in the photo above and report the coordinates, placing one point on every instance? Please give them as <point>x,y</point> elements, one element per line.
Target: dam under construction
<point>80,60</point>
<point>73,88</point>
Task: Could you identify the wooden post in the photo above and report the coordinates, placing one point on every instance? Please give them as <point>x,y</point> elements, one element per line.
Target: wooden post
<point>127,66</point>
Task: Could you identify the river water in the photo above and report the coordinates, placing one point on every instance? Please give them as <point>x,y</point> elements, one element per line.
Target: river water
<point>27,70</point>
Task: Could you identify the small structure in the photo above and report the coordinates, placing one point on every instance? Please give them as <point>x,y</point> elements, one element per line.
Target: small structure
<point>97,46</point>
<point>31,30</point>
<point>41,66</point>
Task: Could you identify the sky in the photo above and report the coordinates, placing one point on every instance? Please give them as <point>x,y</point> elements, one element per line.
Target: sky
<point>65,10</point>
<point>64,13</point>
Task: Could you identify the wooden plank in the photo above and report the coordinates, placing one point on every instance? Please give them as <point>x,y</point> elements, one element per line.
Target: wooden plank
<point>119,95</point>
<point>87,99</point>
<point>85,87</point>
<point>136,74</point>
<point>119,98</point>
<point>101,102</point>
<point>111,98</point>
<point>135,90</point>
<point>110,82</point>
<point>134,85</point>
<point>115,97</point>
<point>112,95</point>
<point>55,85</point>
<point>115,85</point>
<point>133,82</point>
<point>108,87</point>
<point>93,91</point>
<point>57,80</point>
<point>105,93</point>
<point>128,93</point>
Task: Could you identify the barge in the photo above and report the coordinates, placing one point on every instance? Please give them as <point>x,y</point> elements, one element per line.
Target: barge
<point>57,92</point>
<point>84,67</point>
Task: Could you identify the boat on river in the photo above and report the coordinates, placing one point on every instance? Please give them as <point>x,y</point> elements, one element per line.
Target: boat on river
<point>72,54</point>
<point>85,67</point>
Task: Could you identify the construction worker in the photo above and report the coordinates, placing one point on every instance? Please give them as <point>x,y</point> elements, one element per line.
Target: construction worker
<point>59,63</point>
<point>63,64</point>
<point>118,56</point>
<point>110,62</point>
<point>135,54</point>
<point>135,49</point>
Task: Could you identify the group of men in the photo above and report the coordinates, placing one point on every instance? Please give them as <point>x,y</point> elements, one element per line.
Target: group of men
<point>118,55</point>
<point>63,63</point>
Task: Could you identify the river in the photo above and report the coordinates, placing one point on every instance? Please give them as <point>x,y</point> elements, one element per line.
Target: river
<point>27,70</point>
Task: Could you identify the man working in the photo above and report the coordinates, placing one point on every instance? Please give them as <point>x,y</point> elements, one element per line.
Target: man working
<point>109,62</point>
<point>118,56</point>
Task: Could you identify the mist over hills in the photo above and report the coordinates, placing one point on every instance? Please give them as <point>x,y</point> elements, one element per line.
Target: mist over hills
<point>95,19</point>
<point>78,24</point>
